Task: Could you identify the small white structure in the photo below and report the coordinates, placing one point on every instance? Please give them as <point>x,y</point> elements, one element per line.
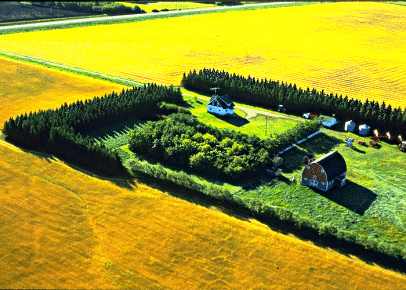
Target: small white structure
<point>281,108</point>
<point>329,122</point>
<point>364,129</point>
<point>306,115</point>
<point>402,146</point>
<point>350,126</point>
<point>220,105</point>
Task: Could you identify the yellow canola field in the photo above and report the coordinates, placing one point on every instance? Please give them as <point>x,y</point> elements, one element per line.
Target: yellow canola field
<point>25,88</point>
<point>63,228</point>
<point>355,48</point>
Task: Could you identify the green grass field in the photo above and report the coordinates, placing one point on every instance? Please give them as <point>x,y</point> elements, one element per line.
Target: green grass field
<point>248,119</point>
<point>370,205</point>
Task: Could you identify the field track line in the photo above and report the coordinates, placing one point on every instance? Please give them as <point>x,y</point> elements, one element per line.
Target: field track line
<point>71,69</point>
<point>137,17</point>
<point>252,112</point>
<point>118,80</point>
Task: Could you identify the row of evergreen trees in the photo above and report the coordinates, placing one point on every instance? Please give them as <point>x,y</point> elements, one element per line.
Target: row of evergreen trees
<point>270,94</point>
<point>63,131</point>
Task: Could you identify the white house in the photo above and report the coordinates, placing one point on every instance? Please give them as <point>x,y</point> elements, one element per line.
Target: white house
<point>364,129</point>
<point>220,105</point>
<point>350,126</point>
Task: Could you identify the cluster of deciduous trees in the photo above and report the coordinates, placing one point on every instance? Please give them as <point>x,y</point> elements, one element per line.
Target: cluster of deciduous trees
<point>182,141</point>
<point>62,131</point>
<point>270,94</point>
<point>107,7</point>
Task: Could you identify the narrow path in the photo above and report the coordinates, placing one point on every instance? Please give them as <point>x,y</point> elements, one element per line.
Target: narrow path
<point>134,17</point>
<point>77,70</point>
<point>252,113</point>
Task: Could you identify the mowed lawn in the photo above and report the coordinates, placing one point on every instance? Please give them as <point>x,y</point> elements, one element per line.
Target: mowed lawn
<point>350,48</point>
<point>371,205</point>
<point>25,88</point>
<point>247,119</point>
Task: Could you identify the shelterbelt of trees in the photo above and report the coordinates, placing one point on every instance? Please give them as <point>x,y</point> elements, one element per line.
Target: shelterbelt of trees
<point>270,93</point>
<point>62,131</point>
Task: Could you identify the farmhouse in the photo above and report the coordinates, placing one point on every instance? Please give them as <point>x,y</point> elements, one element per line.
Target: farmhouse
<point>220,105</point>
<point>325,173</point>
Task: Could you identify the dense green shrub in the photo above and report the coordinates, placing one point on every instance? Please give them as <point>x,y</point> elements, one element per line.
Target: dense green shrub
<point>182,141</point>
<point>270,94</point>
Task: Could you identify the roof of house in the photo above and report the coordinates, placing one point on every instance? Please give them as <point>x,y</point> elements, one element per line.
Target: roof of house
<point>333,164</point>
<point>224,101</point>
<point>350,122</point>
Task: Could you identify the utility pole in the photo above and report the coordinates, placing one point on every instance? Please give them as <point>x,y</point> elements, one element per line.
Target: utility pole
<point>215,90</point>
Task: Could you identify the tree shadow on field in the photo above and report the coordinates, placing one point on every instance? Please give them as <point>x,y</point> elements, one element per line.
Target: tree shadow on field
<point>235,120</point>
<point>124,181</point>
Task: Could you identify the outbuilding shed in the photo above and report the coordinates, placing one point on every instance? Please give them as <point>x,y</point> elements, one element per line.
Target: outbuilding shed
<point>364,130</point>
<point>350,126</point>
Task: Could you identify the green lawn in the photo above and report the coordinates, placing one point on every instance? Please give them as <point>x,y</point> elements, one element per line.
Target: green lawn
<point>373,203</point>
<point>251,123</point>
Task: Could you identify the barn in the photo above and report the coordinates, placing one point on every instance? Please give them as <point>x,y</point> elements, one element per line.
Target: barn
<point>221,105</point>
<point>326,172</point>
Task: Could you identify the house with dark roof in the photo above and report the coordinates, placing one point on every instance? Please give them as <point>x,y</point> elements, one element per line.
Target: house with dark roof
<point>326,172</point>
<point>221,105</point>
